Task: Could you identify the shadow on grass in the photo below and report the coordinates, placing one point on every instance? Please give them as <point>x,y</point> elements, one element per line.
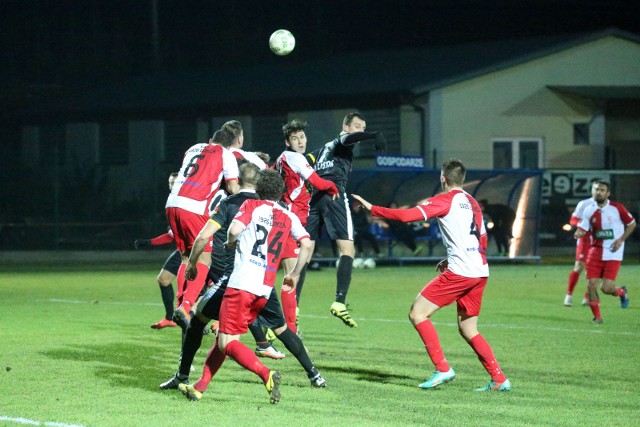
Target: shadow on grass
<point>124,364</point>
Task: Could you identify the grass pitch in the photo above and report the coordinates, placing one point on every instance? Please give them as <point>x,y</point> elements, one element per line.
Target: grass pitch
<point>76,349</point>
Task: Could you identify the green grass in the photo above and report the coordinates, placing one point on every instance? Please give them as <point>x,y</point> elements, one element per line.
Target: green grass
<point>76,348</point>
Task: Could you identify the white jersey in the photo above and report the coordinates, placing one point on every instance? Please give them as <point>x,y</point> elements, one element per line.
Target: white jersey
<point>606,224</point>
<point>463,232</point>
<point>248,156</point>
<point>259,251</point>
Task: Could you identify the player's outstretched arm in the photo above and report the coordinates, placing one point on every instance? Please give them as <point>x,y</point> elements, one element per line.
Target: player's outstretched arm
<point>364,204</point>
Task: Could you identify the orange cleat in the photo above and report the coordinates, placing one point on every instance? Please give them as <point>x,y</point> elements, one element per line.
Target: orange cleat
<point>164,323</point>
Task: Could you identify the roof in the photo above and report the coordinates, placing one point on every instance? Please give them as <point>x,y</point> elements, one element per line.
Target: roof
<point>366,80</point>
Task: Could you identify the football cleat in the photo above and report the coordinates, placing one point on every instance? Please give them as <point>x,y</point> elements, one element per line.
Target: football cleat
<point>597,320</point>
<point>318,381</point>
<point>339,310</point>
<point>164,323</point>
<point>568,300</point>
<point>174,382</point>
<point>585,301</point>
<point>273,386</point>
<point>182,317</point>
<point>438,378</point>
<point>624,298</point>
<point>190,392</point>
<point>494,386</point>
<point>269,352</point>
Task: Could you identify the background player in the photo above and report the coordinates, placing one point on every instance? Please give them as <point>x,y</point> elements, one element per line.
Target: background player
<point>582,248</point>
<point>168,272</point>
<point>463,275</point>
<point>610,224</point>
<point>333,162</point>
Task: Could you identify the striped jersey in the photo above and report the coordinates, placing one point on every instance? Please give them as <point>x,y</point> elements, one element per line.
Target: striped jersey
<point>203,169</point>
<point>268,225</point>
<point>295,170</point>
<point>463,232</point>
<point>606,224</point>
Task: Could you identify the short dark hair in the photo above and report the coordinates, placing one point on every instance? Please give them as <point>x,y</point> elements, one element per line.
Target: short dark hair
<point>295,125</point>
<point>269,185</point>
<point>349,118</point>
<point>223,137</point>
<point>454,172</point>
<point>249,173</point>
<point>233,126</point>
<point>602,182</point>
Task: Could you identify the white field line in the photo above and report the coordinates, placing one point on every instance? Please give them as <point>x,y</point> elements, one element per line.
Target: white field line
<point>30,422</point>
<point>596,329</point>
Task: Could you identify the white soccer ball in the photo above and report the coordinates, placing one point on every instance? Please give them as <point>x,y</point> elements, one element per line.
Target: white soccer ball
<point>358,263</point>
<point>282,42</point>
<point>369,263</point>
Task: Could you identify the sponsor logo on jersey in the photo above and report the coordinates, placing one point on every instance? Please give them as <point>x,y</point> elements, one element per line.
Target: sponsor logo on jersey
<point>327,164</point>
<point>604,234</point>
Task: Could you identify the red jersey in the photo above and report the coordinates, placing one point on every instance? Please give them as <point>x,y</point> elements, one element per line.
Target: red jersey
<point>259,250</point>
<point>463,231</point>
<point>295,170</point>
<point>606,224</point>
<point>203,169</point>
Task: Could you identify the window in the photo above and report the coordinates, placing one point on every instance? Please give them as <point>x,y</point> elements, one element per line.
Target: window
<point>113,143</point>
<point>52,144</point>
<point>581,133</point>
<point>385,121</point>
<point>517,153</point>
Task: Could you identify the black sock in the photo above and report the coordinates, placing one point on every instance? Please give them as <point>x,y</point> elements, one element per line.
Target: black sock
<point>303,274</point>
<point>293,343</point>
<point>192,341</point>
<point>344,278</point>
<point>258,335</point>
<point>168,295</point>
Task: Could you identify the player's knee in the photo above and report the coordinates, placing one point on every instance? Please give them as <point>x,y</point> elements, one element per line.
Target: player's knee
<point>280,329</point>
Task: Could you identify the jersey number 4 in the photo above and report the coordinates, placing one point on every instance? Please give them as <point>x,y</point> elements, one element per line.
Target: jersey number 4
<point>275,245</point>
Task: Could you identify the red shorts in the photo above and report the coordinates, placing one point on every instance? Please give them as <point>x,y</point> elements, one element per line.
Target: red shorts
<point>598,269</point>
<point>291,248</point>
<point>449,287</point>
<point>186,226</point>
<point>238,310</point>
<point>582,247</point>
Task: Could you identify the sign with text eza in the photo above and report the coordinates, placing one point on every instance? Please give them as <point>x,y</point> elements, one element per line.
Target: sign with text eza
<point>569,185</point>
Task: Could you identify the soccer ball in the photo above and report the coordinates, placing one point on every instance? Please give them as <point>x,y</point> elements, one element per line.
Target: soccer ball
<point>282,42</point>
<point>369,263</point>
<point>358,263</point>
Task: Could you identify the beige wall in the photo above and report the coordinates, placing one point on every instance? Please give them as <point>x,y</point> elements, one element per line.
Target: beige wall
<point>515,102</point>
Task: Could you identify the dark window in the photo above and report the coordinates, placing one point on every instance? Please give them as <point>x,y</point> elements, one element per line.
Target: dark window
<point>387,122</point>
<point>114,144</point>
<point>502,155</point>
<point>581,134</point>
<point>178,137</point>
<point>53,147</point>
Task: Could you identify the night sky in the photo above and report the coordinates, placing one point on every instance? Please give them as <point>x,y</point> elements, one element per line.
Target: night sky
<point>48,44</point>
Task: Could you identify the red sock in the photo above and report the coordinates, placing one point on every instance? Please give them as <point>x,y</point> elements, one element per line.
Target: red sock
<point>618,292</point>
<point>595,309</point>
<point>215,359</point>
<point>429,337</point>
<point>289,304</point>
<point>194,287</point>
<point>573,281</point>
<point>181,283</point>
<point>247,359</point>
<point>486,357</point>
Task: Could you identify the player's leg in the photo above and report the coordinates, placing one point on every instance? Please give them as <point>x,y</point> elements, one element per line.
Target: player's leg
<point>167,275</point>
<point>271,315</point>
<point>468,311</point>
<point>609,287</point>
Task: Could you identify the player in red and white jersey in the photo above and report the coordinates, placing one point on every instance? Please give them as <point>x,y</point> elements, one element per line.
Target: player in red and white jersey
<point>258,231</point>
<point>463,275</point>
<point>610,224</point>
<point>297,172</point>
<point>582,248</point>
<point>203,170</point>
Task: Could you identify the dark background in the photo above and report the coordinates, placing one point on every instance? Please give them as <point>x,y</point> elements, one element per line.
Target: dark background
<point>48,46</point>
